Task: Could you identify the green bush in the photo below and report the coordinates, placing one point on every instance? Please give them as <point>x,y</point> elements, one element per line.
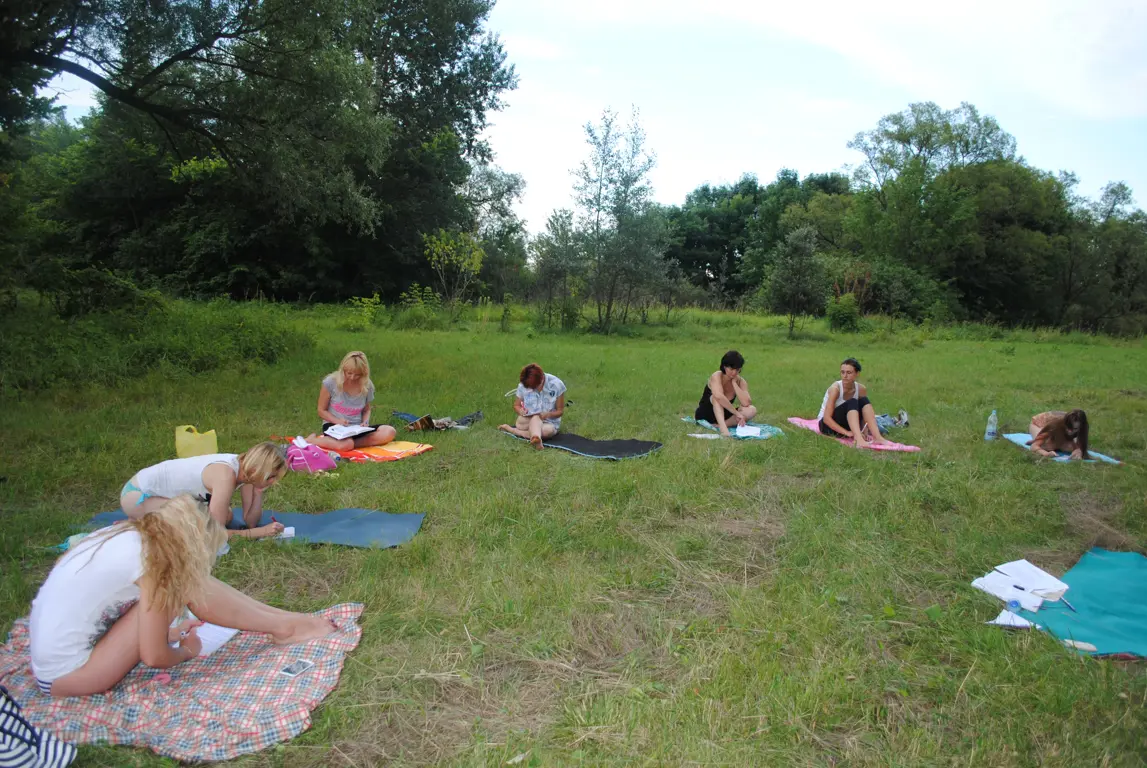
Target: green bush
<point>844,314</point>
<point>39,349</point>
<point>421,308</point>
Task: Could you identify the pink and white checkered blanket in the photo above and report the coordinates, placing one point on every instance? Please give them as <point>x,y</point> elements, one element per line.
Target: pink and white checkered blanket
<point>230,703</point>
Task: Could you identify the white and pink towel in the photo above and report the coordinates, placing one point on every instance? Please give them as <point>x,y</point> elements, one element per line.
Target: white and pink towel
<point>814,426</point>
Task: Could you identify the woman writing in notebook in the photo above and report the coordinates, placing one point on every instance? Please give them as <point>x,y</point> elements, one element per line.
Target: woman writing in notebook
<point>213,479</point>
<point>109,602</point>
<point>540,402</point>
<point>345,400</point>
<point>1059,431</point>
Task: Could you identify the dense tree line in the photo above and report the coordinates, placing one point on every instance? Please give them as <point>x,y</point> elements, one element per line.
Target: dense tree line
<point>940,218</point>
<point>320,151</point>
<point>277,147</point>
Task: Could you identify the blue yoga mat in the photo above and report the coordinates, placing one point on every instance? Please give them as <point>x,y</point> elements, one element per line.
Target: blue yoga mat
<point>767,430</point>
<point>1023,438</point>
<point>351,527</point>
<point>1106,590</point>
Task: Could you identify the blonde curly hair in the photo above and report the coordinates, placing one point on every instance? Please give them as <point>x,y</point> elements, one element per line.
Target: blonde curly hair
<point>180,541</point>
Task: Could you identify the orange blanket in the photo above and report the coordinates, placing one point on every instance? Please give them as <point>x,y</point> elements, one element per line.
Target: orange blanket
<point>399,449</point>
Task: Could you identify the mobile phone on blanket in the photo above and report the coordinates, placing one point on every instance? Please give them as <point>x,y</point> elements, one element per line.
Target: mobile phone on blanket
<point>296,668</point>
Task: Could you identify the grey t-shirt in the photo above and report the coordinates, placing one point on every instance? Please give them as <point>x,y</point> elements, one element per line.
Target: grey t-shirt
<point>349,407</point>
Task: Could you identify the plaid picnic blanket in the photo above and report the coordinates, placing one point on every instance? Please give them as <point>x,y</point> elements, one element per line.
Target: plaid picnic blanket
<point>230,703</point>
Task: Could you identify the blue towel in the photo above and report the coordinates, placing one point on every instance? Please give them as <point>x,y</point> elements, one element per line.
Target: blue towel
<point>1023,438</point>
<point>767,431</point>
<point>350,527</point>
<point>1106,590</point>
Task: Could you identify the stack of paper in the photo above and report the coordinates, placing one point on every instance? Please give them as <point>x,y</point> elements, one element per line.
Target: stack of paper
<point>1023,582</point>
<point>1034,579</point>
<point>339,432</point>
<point>747,430</point>
<point>1005,587</point>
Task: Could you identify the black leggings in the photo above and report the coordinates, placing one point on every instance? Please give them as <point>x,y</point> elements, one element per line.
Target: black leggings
<point>840,415</point>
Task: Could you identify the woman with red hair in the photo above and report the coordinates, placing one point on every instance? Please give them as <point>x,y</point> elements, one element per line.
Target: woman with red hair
<point>540,402</point>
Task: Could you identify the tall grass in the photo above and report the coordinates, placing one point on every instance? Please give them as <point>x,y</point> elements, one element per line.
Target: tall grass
<point>38,349</point>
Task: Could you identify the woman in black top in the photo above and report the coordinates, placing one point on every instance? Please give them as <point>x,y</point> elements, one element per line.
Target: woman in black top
<point>724,387</point>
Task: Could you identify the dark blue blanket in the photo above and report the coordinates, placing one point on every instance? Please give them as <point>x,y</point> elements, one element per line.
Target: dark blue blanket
<point>349,527</point>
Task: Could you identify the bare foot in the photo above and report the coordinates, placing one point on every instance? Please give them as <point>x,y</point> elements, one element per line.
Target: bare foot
<point>725,433</point>
<point>303,627</point>
<point>506,428</point>
<point>862,444</point>
<point>536,442</point>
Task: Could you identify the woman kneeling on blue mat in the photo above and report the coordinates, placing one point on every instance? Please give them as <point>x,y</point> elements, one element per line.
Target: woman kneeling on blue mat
<point>846,412</point>
<point>540,403</point>
<point>213,479</point>
<point>1053,431</point>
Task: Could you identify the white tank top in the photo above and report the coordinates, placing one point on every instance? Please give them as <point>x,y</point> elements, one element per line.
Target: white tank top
<point>171,478</point>
<point>839,397</point>
<point>89,588</point>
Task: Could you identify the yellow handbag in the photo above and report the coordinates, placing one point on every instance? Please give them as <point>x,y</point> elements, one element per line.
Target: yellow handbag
<point>188,442</point>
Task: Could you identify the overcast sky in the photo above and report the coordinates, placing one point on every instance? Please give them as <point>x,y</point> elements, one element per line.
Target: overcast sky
<point>752,86</point>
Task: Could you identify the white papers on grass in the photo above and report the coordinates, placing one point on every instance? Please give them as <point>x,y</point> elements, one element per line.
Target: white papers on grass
<point>747,430</point>
<point>705,435</point>
<point>1012,621</point>
<point>1033,579</point>
<point>1004,587</point>
<point>339,432</point>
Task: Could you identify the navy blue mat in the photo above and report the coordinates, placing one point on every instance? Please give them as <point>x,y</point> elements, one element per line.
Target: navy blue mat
<point>614,450</point>
<point>350,527</point>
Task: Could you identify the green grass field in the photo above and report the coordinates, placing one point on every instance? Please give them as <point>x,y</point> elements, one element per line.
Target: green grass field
<point>720,603</point>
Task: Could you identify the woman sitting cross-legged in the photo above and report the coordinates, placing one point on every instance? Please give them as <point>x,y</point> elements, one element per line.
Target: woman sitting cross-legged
<point>724,387</point>
<point>540,403</point>
<point>345,399</point>
<point>1059,431</point>
<point>213,478</point>
<point>846,412</point>
<point>109,602</point>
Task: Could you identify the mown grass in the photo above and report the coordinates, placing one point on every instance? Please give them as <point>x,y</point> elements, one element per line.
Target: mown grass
<point>785,602</point>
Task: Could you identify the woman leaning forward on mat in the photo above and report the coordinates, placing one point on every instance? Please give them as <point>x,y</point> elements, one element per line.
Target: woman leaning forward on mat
<point>345,399</point>
<point>1053,431</point>
<point>540,403</point>
<point>213,479</point>
<point>845,411</point>
<point>724,386</point>
<point>109,602</point>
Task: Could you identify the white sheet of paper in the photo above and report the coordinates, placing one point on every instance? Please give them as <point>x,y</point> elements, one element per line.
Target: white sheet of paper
<point>1011,621</point>
<point>214,637</point>
<point>748,431</point>
<point>705,435</point>
<point>1003,586</point>
<point>1034,579</point>
<point>288,533</point>
<point>339,432</point>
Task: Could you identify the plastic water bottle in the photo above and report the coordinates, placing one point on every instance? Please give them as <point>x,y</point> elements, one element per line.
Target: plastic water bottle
<point>993,430</point>
<point>1014,606</point>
